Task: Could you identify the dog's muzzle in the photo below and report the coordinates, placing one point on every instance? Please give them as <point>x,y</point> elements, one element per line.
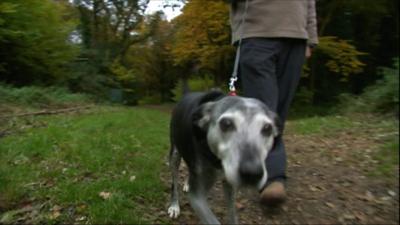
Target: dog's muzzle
<point>250,167</point>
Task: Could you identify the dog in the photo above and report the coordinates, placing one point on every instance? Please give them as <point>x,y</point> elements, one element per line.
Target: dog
<point>213,132</point>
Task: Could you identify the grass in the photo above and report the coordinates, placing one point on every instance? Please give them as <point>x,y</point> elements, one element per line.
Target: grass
<point>321,124</point>
<point>388,157</point>
<point>73,159</point>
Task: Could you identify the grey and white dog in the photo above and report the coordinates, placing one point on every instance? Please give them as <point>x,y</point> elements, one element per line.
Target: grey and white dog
<point>213,132</point>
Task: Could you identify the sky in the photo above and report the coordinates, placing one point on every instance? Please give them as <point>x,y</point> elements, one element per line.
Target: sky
<point>170,12</point>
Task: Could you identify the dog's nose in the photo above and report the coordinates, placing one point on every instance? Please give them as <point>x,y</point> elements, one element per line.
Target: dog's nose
<point>251,172</point>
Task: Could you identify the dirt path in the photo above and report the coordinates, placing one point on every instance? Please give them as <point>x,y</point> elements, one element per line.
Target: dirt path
<point>328,184</point>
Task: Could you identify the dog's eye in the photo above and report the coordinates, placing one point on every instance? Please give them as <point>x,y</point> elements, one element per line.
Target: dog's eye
<point>226,124</point>
<point>266,130</point>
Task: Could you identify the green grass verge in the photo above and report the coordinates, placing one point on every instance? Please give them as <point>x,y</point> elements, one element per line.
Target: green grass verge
<point>73,159</point>
<point>388,158</point>
<point>320,124</point>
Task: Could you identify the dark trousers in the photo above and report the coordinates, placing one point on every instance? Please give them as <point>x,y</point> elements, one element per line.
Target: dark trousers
<point>270,70</point>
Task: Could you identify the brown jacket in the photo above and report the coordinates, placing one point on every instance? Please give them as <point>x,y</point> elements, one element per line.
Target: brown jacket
<point>274,19</point>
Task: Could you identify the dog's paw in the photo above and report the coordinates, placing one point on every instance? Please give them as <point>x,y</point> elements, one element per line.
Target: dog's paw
<point>186,186</point>
<point>174,211</point>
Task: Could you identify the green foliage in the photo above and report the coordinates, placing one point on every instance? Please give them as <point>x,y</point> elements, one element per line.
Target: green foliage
<point>385,93</point>
<point>381,97</point>
<point>74,158</point>
<point>149,64</point>
<point>195,84</point>
<point>202,37</point>
<point>120,47</point>
<point>388,157</point>
<point>40,96</point>
<point>343,57</point>
<point>87,77</point>
<point>303,96</point>
<point>34,45</point>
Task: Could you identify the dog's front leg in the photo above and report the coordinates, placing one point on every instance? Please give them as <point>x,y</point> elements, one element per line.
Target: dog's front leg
<point>230,197</point>
<point>199,187</point>
<point>174,162</point>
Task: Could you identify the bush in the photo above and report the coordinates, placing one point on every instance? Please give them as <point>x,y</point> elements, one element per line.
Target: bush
<point>150,99</point>
<point>40,96</point>
<point>382,97</point>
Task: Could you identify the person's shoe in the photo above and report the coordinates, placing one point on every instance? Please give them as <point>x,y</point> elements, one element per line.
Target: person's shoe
<point>274,194</point>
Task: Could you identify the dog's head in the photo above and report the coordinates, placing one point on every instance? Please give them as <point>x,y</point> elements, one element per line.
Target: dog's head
<point>240,132</point>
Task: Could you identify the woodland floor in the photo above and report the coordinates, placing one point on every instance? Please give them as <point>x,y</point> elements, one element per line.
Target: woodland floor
<point>336,175</point>
<point>333,179</point>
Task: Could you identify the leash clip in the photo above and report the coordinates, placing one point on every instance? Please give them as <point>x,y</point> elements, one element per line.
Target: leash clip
<point>234,77</point>
<point>232,89</point>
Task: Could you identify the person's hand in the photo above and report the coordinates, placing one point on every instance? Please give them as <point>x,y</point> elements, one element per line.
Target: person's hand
<point>308,52</point>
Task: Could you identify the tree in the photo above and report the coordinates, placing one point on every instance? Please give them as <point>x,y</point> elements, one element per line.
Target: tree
<point>149,63</point>
<point>203,38</point>
<point>34,41</point>
<point>112,24</point>
<point>355,38</point>
<point>373,30</point>
<point>108,29</point>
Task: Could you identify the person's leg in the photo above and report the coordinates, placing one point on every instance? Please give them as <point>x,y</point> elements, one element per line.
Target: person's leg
<point>289,68</point>
<point>289,64</point>
<point>258,70</point>
<point>270,70</point>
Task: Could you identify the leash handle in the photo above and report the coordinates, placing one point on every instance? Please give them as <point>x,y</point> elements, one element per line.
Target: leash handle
<point>234,76</point>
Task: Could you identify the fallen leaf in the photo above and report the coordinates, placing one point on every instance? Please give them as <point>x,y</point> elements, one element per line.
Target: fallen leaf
<point>8,217</point>
<point>383,200</point>
<point>81,218</point>
<point>105,195</point>
<point>360,216</point>
<point>56,208</point>
<point>81,208</point>
<point>239,205</point>
<point>349,217</point>
<point>55,215</point>
<point>330,205</point>
<point>312,188</point>
<point>391,193</point>
<point>369,196</point>
<point>338,159</point>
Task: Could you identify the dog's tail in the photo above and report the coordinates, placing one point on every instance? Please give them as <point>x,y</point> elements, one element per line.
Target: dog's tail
<point>185,87</point>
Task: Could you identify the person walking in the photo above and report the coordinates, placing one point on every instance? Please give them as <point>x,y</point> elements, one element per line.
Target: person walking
<point>276,36</point>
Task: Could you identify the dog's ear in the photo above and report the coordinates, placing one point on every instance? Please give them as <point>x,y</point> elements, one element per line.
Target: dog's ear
<point>277,124</point>
<point>202,115</point>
